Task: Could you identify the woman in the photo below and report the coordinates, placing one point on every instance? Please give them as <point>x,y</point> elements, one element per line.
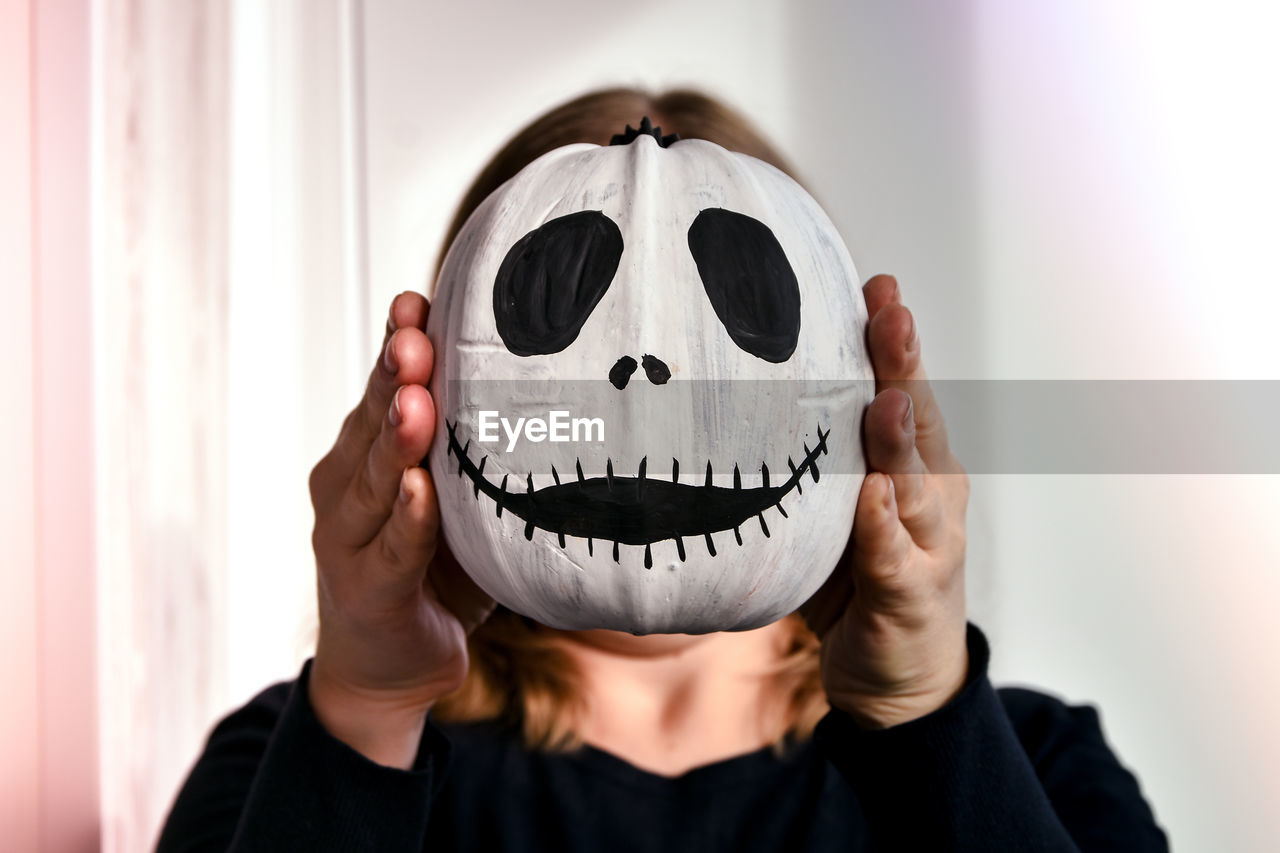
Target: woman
<point>554,740</point>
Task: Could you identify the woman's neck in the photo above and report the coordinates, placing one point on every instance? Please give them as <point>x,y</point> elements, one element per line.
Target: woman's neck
<point>669,703</point>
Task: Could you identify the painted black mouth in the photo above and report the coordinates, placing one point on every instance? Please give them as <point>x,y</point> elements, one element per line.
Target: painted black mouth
<point>638,510</point>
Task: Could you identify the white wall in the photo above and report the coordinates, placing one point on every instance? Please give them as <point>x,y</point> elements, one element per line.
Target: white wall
<point>1128,228</point>
<point>160,341</point>
<point>297,347</point>
<point>228,345</point>
<point>448,83</point>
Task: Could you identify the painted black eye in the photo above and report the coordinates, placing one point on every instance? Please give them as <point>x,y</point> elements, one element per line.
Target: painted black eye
<point>551,280</point>
<point>749,281</point>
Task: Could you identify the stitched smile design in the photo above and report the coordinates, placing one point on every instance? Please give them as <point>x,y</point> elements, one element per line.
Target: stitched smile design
<point>638,510</point>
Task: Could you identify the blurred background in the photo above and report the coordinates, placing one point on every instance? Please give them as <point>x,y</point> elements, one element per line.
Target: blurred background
<point>207,207</point>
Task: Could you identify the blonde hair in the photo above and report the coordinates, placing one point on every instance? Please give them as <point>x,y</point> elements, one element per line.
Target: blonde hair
<point>520,673</point>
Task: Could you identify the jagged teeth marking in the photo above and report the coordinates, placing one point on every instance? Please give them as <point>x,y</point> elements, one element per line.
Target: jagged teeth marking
<point>820,448</point>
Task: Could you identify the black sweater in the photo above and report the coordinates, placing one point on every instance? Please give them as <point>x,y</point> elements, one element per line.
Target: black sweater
<point>992,770</point>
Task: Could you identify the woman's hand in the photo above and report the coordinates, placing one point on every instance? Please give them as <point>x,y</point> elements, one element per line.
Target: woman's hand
<point>892,615</point>
<point>395,608</point>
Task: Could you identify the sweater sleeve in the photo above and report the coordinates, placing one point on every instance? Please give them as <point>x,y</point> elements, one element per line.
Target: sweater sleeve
<point>973,776</point>
<point>272,778</point>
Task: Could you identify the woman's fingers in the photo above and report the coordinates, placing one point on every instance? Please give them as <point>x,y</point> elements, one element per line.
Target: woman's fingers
<point>879,291</point>
<point>385,578</point>
<point>408,311</point>
<point>895,355</point>
<point>407,429</point>
<point>405,544</point>
<point>406,357</point>
<point>891,449</point>
<point>881,548</point>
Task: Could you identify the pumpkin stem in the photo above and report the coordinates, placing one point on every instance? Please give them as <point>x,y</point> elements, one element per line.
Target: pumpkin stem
<point>646,129</point>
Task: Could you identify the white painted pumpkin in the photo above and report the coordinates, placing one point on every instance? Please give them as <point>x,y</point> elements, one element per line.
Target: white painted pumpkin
<point>701,305</point>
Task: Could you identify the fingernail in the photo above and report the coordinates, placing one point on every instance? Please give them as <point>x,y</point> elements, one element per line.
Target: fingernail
<point>404,493</point>
<point>391,316</point>
<point>909,417</point>
<point>912,338</point>
<point>394,415</point>
<point>889,494</point>
<point>389,357</point>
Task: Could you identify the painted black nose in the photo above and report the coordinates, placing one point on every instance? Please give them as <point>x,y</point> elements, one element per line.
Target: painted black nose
<point>654,368</point>
<point>620,373</point>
